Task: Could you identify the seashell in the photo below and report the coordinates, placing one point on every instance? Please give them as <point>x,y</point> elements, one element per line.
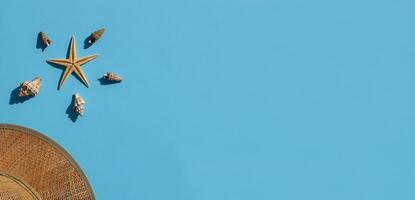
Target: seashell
<point>110,76</point>
<point>31,88</point>
<point>95,36</point>
<point>45,40</point>
<point>79,104</point>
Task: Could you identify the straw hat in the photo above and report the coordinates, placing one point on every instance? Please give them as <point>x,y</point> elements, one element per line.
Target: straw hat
<point>33,167</point>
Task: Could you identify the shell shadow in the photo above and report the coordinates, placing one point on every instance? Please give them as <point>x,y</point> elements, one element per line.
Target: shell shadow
<point>104,81</point>
<point>40,44</point>
<point>86,42</point>
<point>15,98</point>
<point>58,67</point>
<point>70,111</point>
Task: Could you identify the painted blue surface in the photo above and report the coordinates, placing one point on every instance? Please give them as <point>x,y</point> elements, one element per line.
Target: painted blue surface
<point>237,99</point>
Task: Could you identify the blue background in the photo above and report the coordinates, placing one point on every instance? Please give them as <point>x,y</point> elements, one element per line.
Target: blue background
<point>236,99</point>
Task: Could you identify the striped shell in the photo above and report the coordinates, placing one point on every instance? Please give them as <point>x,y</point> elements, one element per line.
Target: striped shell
<point>96,35</point>
<point>31,88</point>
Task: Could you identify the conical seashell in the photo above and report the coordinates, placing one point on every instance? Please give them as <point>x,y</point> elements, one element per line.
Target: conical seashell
<point>112,77</point>
<point>78,104</point>
<point>45,40</point>
<point>30,87</point>
<point>95,35</point>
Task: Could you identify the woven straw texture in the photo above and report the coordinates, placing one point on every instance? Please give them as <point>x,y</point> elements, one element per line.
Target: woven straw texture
<point>11,188</point>
<point>34,167</point>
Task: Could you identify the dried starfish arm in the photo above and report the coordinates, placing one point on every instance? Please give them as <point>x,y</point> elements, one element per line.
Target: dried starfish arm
<point>72,49</point>
<point>64,62</point>
<point>65,75</point>
<point>86,59</point>
<point>78,71</point>
<point>72,64</point>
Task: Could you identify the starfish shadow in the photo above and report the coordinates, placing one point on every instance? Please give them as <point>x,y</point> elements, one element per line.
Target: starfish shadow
<point>86,42</point>
<point>58,67</point>
<point>70,111</point>
<point>40,44</point>
<point>68,50</point>
<point>15,98</point>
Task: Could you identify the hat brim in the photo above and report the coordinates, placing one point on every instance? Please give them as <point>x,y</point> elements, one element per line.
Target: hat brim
<point>38,163</point>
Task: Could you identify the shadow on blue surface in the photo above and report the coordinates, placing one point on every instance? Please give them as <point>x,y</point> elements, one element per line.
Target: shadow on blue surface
<point>70,111</point>
<point>86,43</point>
<point>39,43</point>
<point>104,81</point>
<point>58,67</point>
<point>15,98</point>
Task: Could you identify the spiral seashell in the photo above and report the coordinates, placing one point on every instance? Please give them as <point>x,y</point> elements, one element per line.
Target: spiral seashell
<point>45,39</point>
<point>110,76</point>
<point>31,88</point>
<point>79,104</point>
<point>95,36</point>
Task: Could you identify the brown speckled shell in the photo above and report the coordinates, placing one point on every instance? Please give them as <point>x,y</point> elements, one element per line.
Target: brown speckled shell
<point>96,35</point>
<point>45,39</point>
<point>30,87</point>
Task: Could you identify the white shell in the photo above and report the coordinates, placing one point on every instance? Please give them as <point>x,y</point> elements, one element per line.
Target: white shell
<point>79,104</point>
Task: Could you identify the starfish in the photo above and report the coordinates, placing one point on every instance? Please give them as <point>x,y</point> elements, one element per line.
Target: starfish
<point>73,64</point>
